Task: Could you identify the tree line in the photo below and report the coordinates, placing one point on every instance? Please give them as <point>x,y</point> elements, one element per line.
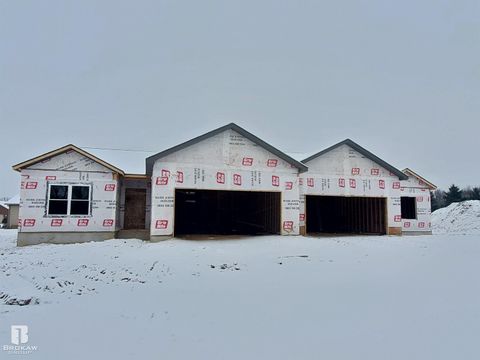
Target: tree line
<point>442,198</point>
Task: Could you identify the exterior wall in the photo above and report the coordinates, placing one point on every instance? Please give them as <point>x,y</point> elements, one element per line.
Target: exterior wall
<point>227,161</point>
<point>416,188</point>
<point>13,216</point>
<point>345,172</point>
<point>67,168</point>
<point>135,184</point>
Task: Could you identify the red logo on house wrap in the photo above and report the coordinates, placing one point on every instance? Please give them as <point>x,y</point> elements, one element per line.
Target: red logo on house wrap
<point>288,225</point>
<point>381,184</point>
<point>179,177</point>
<point>50,177</point>
<point>220,178</point>
<point>272,162</point>
<point>353,183</point>
<point>275,180</point>
<point>421,224</point>
<point>311,182</point>
<point>31,185</point>
<point>375,171</point>
<point>419,198</point>
<point>161,224</point>
<point>302,217</point>
<point>82,222</point>
<point>109,187</point>
<point>247,161</point>
<point>396,185</point>
<point>162,180</point>
<point>29,222</point>
<point>397,218</point>
<point>56,222</point>
<point>165,173</point>
<point>341,182</point>
<point>406,224</point>
<point>288,185</point>
<point>355,171</point>
<point>237,179</point>
<point>108,222</point>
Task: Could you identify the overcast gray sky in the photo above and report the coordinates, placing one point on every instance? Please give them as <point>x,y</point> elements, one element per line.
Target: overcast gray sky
<point>402,78</point>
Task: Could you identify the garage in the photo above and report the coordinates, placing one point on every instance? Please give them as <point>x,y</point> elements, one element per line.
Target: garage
<point>345,215</point>
<point>217,212</point>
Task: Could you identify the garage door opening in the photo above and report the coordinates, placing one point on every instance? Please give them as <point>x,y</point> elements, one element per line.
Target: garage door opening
<point>345,215</point>
<point>214,212</point>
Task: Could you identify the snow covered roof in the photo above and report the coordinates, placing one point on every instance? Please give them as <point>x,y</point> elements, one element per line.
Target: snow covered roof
<point>14,200</point>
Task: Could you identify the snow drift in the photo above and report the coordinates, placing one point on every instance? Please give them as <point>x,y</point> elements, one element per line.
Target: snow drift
<point>457,218</point>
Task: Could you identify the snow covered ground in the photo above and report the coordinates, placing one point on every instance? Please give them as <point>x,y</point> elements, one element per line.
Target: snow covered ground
<point>254,298</point>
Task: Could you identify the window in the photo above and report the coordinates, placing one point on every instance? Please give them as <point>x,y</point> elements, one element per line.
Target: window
<point>69,200</point>
<point>409,207</point>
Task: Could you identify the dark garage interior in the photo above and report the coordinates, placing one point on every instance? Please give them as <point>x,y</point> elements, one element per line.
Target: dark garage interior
<point>215,212</point>
<point>345,215</point>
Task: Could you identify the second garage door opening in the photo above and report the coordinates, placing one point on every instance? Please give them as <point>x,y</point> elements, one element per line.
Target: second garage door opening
<point>345,215</point>
<point>215,212</point>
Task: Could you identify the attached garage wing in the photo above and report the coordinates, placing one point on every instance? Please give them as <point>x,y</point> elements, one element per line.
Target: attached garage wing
<point>346,215</point>
<point>215,212</point>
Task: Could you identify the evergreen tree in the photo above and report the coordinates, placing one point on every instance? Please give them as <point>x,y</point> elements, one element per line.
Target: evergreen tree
<point>454,194</point>
<point>467,193</point>
<point>438,199</point>
<point>475,193</point>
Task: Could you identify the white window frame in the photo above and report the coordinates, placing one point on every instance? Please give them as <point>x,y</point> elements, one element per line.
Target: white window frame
<point>69,199</point>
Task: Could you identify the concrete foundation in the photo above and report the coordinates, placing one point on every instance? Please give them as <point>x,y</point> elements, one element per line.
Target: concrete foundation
<point>34,238</point>
<point>157,238</point>
<point>407,233</point>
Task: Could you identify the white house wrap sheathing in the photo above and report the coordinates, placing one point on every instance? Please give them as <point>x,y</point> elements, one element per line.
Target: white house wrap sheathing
<point>68,168</point>
<point>416,188</point>
<point>343,171</point>
<point>226,161</point>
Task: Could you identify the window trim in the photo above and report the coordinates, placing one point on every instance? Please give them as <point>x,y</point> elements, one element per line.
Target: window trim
<point>69,199</point>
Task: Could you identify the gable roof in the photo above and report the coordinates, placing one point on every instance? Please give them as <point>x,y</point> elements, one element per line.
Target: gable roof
<point>62,150</point>
<point>414,174</point>
<point>362,151</point>
<point>151,160</point>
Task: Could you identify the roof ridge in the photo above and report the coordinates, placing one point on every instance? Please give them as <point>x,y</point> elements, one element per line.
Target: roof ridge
<point>231,126</point>
<point>362,151</point>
